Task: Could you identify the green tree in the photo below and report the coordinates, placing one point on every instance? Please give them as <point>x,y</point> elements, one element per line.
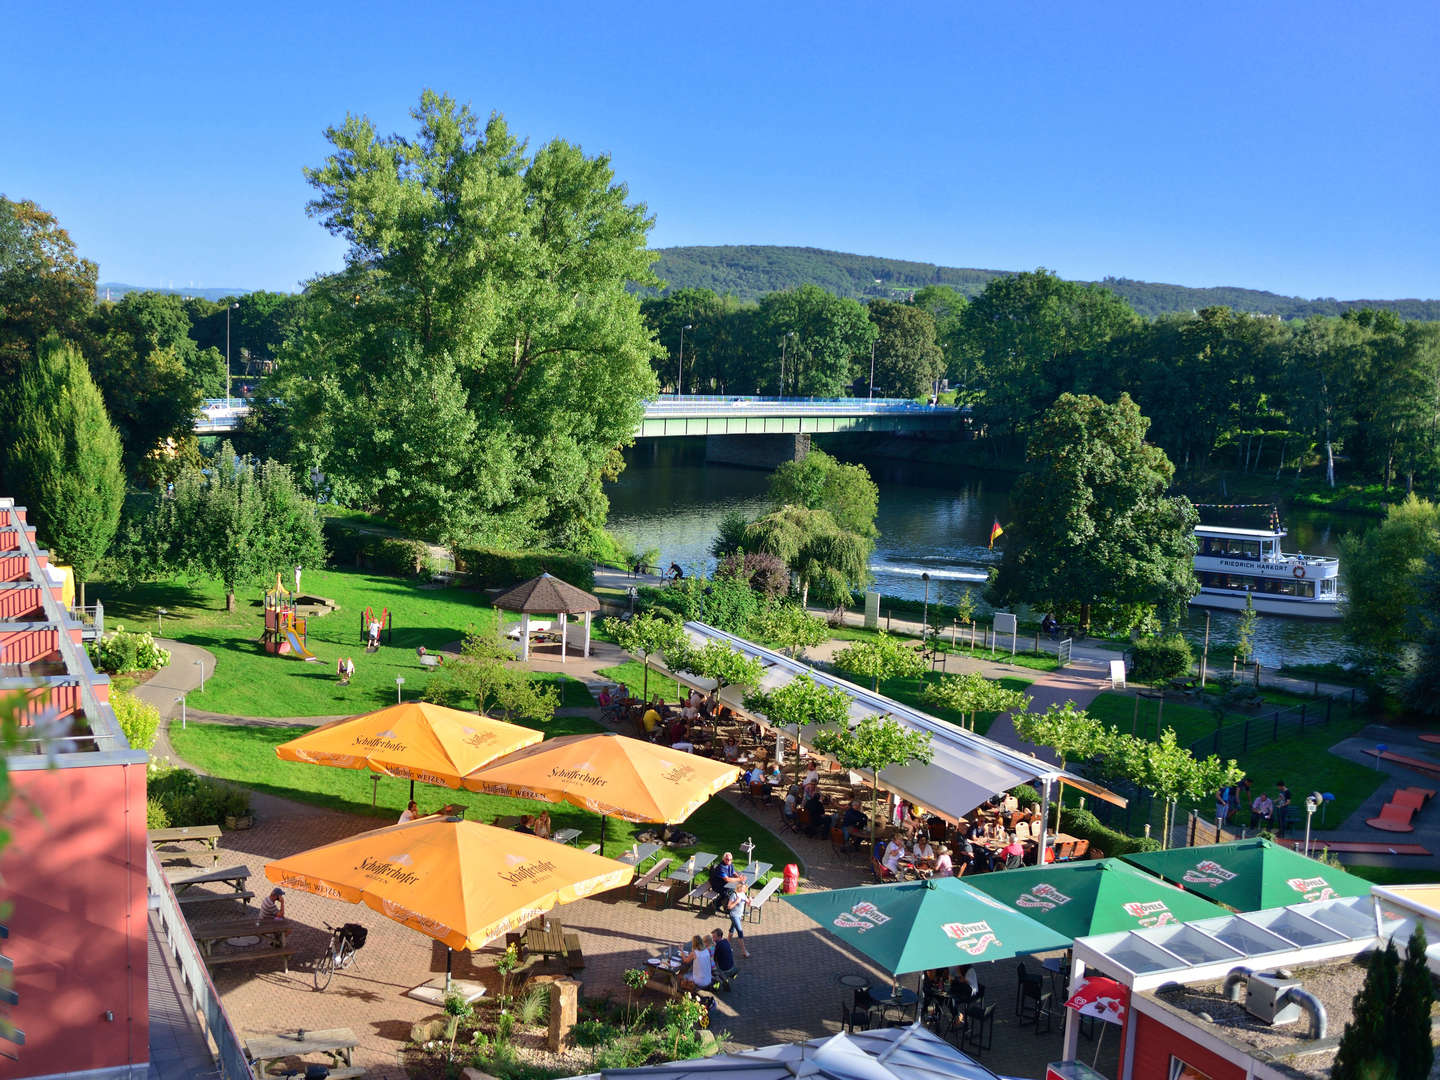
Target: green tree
<point>802,703</point>
<point>1094,523</point>
<point>488,283</point>
<point>1410,1038</point>
<point>1382,576</point>
<point>1072,733</point>
<point>972,693</point>
<point>717,662</point>
<point>784,624</point>
<point>1245,630</point>
<point>907,359</point>
<point>1169,770</point>
<point>715,339</point>
<point>645,635</point>
<point>946,306</point>
<point>823,338</point>
<point>831,560</point>
<point>241,522</point>
<point>484,674</point>
<point>1365,1051</point>
<point>729,534</point>
<point>882,657</point>
<point>64,457</point>
<point>819,482</point>
<point>45,287</point>
<point>1420,685</point>
<point>874,744</point>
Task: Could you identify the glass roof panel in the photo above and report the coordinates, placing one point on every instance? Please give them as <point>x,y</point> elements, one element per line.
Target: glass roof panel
<point>1246,937</point>
<point>1295,927</point>
<point>1140,956</point>
<point>1192,946</point>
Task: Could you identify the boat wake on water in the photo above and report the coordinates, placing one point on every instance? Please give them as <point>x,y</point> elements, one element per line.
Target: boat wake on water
<point>935,573</point>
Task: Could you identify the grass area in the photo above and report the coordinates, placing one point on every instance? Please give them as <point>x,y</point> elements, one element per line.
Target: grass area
<point>574,694</point>
<point>909,691</point>
<point>1396,875</point>
<point>1041,661</point>
<point>246,755</point>
<point>251,682</point>
<point>1304,762</point>
<point>632,674</point>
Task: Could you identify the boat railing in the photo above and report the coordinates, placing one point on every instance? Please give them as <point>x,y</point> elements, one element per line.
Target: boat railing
<point>1311,560</point>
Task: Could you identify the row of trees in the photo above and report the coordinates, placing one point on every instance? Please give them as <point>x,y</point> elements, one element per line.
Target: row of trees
<point>1223,388</point>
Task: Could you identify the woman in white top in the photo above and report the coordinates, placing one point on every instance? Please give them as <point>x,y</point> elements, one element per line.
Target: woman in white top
<point>894,852</point>
<point>410,814</point>
<point>812,774</point>
<point>701,966</point>
<point>922,849</point>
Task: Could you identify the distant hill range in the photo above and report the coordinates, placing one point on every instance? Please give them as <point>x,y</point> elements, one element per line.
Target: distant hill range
<point>114,290</point>
<point>749,271</point>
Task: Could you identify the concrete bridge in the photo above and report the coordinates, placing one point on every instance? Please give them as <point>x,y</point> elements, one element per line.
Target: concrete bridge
<point>691,415</point>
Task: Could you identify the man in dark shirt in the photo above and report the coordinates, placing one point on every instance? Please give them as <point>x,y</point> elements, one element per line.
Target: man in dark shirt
<point>1282,807</point>
<point>724,954</point>
<point>854,823</point>
<point>819,820</point>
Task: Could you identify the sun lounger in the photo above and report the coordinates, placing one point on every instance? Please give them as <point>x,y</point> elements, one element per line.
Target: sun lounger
<point>1412,797</point>
<point>1394,817</point>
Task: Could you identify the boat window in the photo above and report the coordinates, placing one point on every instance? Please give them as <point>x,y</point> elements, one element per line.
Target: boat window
<point>1252,549</point>
<point>1327,587</point>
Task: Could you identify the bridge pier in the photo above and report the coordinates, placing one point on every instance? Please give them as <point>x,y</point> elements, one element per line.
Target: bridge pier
<point>756,451</point>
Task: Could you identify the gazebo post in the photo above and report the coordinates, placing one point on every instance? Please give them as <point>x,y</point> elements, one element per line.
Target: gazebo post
<point>524,635</point>
<point>588,615</point>
<point>564,633</point>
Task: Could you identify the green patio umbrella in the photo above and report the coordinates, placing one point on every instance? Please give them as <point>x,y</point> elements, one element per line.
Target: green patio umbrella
<point>916,925</point>
<point>1096,897</point>
<point>1248,875</point>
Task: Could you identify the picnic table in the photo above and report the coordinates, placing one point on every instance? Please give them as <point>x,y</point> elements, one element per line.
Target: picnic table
<point>338,1043</point>
<point>182,880</point>
<point>507,822</point>
<point>663,974</point>
<point>639,854</point>
<point>274,935</point>
<point>565,836</point>
<point>754,871</point>
<point>693,867</point>
<point>208,836</point>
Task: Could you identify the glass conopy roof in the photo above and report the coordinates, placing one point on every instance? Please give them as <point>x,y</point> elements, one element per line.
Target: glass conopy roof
<point>1298,933</point>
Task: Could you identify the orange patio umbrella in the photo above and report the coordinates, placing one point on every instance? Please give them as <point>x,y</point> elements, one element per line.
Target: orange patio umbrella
<point>459,882</point>
<point>416,740</point>
<point>609,774</point>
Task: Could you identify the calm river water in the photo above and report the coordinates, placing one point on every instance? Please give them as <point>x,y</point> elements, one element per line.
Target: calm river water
<point>929,520</point>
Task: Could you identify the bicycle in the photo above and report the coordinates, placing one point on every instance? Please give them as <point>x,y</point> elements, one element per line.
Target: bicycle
<point>344,942</point>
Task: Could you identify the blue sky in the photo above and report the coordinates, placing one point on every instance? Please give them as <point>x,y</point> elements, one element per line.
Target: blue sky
<point>1288,146</point>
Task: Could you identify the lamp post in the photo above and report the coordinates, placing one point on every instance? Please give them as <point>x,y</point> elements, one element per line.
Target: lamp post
<point>316,479</point>
<point>871,395</point>
<point>1312,803</point>
<point>925,611</point>
<point>160,620</point>
<point>680,364</point>
<point>399,682</point>
<point>201,665</point>
<point>783,342</point>
<point>228,308</point>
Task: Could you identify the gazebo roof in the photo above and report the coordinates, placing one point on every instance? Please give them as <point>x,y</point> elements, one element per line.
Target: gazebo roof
<point>546,595</point>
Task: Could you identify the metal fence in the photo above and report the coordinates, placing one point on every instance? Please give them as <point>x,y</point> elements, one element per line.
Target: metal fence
<point>92,620</point>
<point>230,1048</point>
<point>1232,738</point>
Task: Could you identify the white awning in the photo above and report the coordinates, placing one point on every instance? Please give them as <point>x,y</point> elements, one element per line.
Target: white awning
<point>954,783</point>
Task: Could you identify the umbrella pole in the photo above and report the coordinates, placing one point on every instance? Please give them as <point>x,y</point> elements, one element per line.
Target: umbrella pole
<point>448,954</point>
<point>1098,1040</point>
<point>412,790</point>
<point>603,819</point>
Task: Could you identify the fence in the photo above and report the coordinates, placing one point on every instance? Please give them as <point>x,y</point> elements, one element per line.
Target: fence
<point>92,620</point>
<point>230,1050</point>
<point>1234,738</point>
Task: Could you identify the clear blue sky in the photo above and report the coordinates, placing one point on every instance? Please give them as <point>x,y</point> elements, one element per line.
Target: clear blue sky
<point>1288,146</point>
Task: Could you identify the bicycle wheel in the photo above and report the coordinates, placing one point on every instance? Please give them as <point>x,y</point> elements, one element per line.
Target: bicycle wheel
<point>324,968</point>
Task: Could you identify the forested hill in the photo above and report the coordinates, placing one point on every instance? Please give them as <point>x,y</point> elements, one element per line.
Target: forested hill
<point>749,271</point>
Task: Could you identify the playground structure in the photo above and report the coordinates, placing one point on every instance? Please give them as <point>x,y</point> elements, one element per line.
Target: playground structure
<point>386,629</point>
<point>284,629</point>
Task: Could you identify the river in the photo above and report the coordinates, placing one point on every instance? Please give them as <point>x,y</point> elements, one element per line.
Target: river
<point>931,521</point>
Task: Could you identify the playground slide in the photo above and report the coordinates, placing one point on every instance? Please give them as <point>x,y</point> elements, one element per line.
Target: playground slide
<point>297,647</point>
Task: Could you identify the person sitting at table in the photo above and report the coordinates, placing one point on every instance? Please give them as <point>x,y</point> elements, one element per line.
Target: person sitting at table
<point>273,906</point>
<point>817,820</point>
<point>540,825</point>
<point>524,825</point>
<point>731,749</point>
<point>854,822</point>
<point>944,867</point>
<point>773,776</point>
<point>675,732</point>
<point>722,954</point>
<point>812,772</point>
<point>756,775</point>
<point>934,986</point>
<point>964,852</point>
<point>726,881</point>
<point>1013,853</point>
<point>922,851</point>
<point>651,720</point>
<point>699,964</point>
<point>410,813</point>
<point>894,852</point>
<point>964,983</point>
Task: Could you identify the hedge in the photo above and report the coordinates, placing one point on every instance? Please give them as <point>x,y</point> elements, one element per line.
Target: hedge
<point>383,554</point>
<point>1084,825</point>
<point>1156,658</point>
<point>492,568</point>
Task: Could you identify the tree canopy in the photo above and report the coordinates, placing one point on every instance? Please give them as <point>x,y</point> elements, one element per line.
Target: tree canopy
<point>1383,568</point>
<point>45,286</point>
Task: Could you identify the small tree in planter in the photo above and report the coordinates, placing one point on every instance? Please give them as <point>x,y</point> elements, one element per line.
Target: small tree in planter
<point>874,744</point>
<point>883,658</point>
<point>800,703</point>
<point>716,661</point>
<point>973,693</point>
<point>645,636</point>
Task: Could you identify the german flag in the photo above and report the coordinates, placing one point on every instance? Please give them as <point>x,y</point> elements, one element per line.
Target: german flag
<point>995,530</point>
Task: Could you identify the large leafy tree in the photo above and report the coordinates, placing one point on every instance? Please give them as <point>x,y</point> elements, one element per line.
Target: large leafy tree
<point>874,744</point>
<point>820,482</point>
<point>1094,523</point>
<point>826,558</point>
<point>946,306</point>
<point>716,339</point>
<point>908,360</point>
<point>488,283</point>
<point>45,286</point>
<point>817,335</point>
<point>1383,569</point>
<point>64,457</point>
<point>1421,684</point>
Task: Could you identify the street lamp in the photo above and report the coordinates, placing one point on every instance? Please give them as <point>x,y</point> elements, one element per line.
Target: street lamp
<point>160,619</point>
<point>399,682</point>
<point>316,479</point>
<point>1312,803</point>
<point>201,665</point>
<point>871,395</point>
<point>925,611</point>
<point>680,364</point>
<point>228,308</point>
<point>783,342</point>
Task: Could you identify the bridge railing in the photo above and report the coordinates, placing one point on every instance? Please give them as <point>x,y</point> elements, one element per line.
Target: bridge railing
<point>691,405</point>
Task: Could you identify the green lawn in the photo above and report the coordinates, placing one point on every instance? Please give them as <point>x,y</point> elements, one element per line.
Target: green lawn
<point>632,674</point>
<point>246,755</point>
<point>1304,762</point>
<point>1395,875</point>
<point>250,682</point>
<point>908,692</point>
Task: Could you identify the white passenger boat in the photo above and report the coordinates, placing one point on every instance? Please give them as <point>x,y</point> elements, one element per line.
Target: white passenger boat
<point>1232,564</point>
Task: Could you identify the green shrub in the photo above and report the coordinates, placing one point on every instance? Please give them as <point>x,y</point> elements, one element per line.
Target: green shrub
<point>491,568</point>
<point>138,720</point>
<point>345,544</point>
<point>155,815</point>
<point>191,799</point>
<point>1026,796</point>
<point>122,652</point>
<point>1159,658</point>
<point>400,558</point>
<point>1084,825</point>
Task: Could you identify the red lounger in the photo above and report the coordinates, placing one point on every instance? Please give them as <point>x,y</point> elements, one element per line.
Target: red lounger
<point>1394,817</point>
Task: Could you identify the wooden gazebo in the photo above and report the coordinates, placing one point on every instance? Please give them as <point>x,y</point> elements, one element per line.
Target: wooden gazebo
<point>546,595</point>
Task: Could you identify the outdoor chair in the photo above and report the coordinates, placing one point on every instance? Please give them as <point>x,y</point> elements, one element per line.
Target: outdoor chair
<point>854,1019</point>
<point>789,822</point>
<point>1022,829</point>
<point>979,1030</point>
<point>1042,1011</point>
<point>1029,986</point>
<point>882,872</point>
<point>1014,862</point>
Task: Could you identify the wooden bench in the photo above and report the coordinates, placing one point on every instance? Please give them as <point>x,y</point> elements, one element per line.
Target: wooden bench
<point>258,952</point>
<point>1430,768</point>
<point>244,896</point>
<point>207,835</point>
<point>1394,817</point>
<point>338,1043</point>
<point>592,849</point>
<point>760,899</point>
<point>700,896</point>
<point>574,955</point>
<point>641,884</point>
